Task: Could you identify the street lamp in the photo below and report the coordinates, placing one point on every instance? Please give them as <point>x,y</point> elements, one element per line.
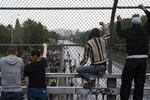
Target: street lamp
<point>12,36</point>
<point>12,32</point>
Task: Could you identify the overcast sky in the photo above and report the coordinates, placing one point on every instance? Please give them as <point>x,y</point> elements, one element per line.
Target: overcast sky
<point>66,19</point>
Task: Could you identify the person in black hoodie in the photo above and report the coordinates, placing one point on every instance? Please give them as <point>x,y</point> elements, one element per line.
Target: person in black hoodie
<point>137,49</point>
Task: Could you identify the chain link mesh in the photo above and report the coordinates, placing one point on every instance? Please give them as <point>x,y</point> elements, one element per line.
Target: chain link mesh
<point>62,20</point>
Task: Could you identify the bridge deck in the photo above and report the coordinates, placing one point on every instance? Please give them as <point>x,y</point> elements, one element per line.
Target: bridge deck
<point>80,90</point>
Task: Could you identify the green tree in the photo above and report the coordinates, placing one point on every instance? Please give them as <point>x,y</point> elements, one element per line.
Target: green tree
<point>18,33</point>
<point>34,32</point>
<point>5,34</point>
<point>54,35</point>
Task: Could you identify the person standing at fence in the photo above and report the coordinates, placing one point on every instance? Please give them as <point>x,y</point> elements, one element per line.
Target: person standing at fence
<point>11,72</point>
<point>34,74</point>
<point>95,50</point>
<point>137,50</point>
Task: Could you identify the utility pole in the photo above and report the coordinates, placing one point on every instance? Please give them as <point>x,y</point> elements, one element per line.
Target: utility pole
<point>12,36</point>
<point>12,32</point>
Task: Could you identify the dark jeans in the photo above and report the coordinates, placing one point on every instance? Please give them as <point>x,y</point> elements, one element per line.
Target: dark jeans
<point>11,96</point>
<point>37,94</point>
<point>92,69</point>
<point>134,69</point>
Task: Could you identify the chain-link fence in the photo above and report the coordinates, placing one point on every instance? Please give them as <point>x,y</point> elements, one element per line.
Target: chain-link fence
<point>64,25</point>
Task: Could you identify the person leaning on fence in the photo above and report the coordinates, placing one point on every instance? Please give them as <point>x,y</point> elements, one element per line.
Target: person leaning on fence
<point>137,49</point>
<point>11,68</point>
<point>34,74</point>
<point>95,50</point>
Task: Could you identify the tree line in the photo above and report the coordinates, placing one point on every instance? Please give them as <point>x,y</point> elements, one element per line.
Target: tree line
<point>30,32</point>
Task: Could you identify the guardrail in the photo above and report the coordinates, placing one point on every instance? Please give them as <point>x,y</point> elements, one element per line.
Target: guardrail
<point>111,91</point>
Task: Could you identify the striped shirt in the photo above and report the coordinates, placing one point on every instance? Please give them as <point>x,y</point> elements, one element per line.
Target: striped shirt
<point>95,50</point>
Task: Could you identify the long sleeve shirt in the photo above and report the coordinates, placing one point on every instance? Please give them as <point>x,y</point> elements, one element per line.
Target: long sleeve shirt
<point>95,49</point>
<point>136,37</point>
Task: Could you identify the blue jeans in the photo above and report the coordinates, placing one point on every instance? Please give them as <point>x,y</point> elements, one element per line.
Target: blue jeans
<point>92,69</point>
<point>37,94</point>
<point>11,96</point>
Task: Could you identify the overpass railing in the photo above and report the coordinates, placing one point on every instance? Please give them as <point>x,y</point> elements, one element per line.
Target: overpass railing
<point>111,92</point>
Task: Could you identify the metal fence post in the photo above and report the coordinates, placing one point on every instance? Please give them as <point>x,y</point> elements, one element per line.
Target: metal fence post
<point>111,83</point>
<point>111,32</point>
<point>62,80</point>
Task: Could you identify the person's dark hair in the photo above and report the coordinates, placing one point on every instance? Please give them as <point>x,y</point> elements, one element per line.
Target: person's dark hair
<point>12,49</point>
<point>94,33</point>
<point>35,52</point>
